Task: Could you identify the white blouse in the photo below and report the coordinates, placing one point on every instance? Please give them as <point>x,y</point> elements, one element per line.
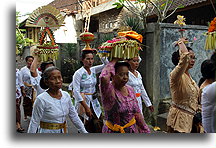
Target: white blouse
<point>70,86</point>
<point>19,84</point>
<point>85,83</point>
<point>208,108</point>
<point>35,81</point>
<point>26,77</point>
<point>137,84</point>
<point>52,110</point>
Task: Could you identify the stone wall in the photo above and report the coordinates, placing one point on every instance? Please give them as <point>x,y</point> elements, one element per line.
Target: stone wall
<point>156,63</point>
<point>20,59</point>
<point>108,20</point>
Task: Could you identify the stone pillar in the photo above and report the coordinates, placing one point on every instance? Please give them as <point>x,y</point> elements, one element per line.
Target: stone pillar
<point>150,68</point>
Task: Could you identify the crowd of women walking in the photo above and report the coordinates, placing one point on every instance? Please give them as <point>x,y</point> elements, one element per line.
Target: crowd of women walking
<point>118,108</point>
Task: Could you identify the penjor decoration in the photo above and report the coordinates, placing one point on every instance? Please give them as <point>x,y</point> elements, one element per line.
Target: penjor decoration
<point>46,17</point>
<point>210,43</point>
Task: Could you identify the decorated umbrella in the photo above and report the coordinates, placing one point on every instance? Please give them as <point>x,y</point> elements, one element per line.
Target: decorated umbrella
<point>47,17</point>
<point>125,46</point>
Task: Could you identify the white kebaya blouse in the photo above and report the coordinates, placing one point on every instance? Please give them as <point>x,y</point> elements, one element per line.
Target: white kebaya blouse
<point>36,83</point>
<point>208,108</point>
<point>19,84</point>
<point>137,84</point>
<point>52,110</point>
<point>85,83</point>
<point>26,77</point>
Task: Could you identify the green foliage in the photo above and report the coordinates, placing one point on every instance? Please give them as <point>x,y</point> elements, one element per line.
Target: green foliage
<point>142,8</point>
<point>104,37</point>
<point>118,5</point>
<point>69,64</point>
<point>21,40</point>
<point>134,22</point>
<point>70,49</point>
<point>181,6</point>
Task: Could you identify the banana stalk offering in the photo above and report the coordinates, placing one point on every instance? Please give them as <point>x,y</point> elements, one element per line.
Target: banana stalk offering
<point>47,53</point>
<point>210,43</point>
<point>119,48</point>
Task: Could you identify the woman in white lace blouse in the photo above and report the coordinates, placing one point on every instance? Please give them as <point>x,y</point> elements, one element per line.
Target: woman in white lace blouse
<point>135,81</point>
<point>84,89</point>
<point>52,106</point>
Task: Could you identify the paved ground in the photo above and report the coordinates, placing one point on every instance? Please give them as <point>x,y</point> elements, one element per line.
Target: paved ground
<point>71,127</point>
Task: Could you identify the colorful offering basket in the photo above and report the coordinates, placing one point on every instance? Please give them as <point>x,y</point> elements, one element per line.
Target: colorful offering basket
<point>47,51</point>
<point>181,22</point>
<point>87,37</point>
<point>210,43</point>
<point>125,46</point>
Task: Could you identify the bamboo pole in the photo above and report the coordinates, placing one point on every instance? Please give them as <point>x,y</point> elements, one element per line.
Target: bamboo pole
<point>213,6</point>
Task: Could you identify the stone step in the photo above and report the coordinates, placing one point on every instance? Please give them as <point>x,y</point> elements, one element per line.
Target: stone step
<point>161,121</point>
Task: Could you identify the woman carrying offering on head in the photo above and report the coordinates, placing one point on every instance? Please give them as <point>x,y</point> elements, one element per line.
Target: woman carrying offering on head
<point>84,92</point>
<point>122,113</point>
<point>184,91</point>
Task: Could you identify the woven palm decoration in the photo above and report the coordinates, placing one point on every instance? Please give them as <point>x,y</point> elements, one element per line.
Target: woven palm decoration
<point>47,17</point>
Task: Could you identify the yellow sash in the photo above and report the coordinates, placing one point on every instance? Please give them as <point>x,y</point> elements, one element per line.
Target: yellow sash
<point>117,127</point>
<point>88,93</point>
<point>53,126</point>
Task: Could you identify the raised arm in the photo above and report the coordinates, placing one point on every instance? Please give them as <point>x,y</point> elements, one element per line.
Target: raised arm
<point>33,68</point>
<point>180,69</point>
<point>99,68</point>
<point>106,74</point>
<point>106,90</point>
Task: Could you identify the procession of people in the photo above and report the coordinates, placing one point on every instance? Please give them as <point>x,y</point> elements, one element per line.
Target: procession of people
<point>116,104</point>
